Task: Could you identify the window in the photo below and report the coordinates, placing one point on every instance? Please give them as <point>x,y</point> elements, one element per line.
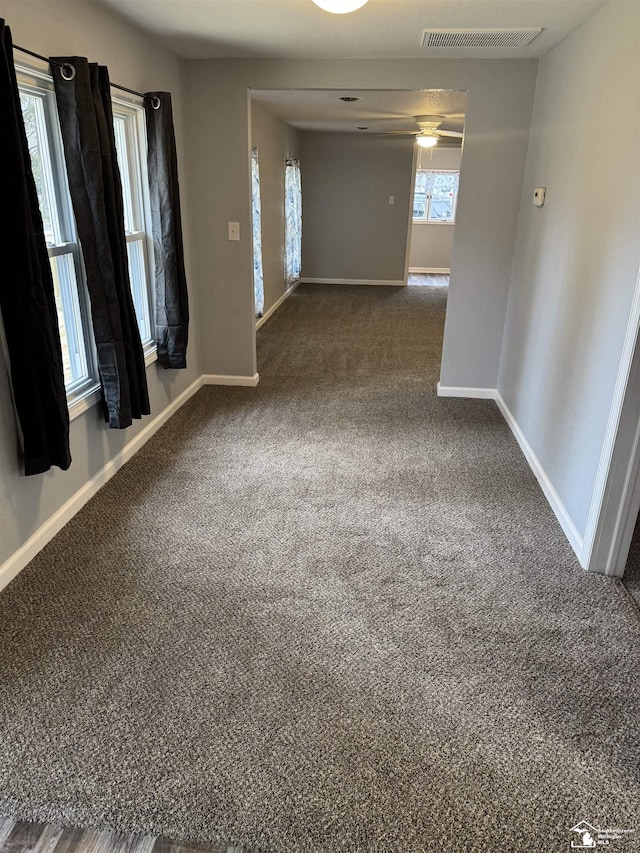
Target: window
<point>45,147</point>
<point>256,211</point>
<point>129,128</point>
<point>435,196</point>
<point>37,100</point>
<point>293,222</point>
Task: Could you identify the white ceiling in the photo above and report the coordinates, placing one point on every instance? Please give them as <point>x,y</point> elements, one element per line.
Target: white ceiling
<point>379,110</point>
<point>298,29</point>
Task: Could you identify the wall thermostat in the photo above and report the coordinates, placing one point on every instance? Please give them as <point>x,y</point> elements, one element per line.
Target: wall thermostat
<point>538,196</point>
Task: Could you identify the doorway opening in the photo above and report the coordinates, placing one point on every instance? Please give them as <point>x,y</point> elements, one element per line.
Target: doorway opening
<point>357,150</point>
<point>615,504</point>
<point>437,179</point>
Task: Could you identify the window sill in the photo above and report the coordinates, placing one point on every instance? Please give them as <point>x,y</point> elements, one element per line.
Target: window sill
<point>150,354</point>
<point>81,404</point>
<point>88,399</point>
<point>422,222</point>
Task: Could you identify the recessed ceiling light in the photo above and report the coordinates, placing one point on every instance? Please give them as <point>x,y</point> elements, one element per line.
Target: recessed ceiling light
<point>348,99</point>
<point>340,7</point>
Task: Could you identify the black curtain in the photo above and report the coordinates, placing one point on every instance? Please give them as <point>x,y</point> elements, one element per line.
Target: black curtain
<point>26,292</point>
<point>172,302</point>
<point>86,121</point>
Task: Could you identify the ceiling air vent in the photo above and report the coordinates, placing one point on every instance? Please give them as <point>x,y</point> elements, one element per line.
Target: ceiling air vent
<point>479,38</point>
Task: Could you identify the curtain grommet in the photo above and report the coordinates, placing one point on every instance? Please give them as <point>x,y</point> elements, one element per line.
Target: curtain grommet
<point>67,72</point>
<point>155,102</point>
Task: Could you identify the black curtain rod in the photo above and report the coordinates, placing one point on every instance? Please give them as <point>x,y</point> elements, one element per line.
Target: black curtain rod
<point>155,101</point>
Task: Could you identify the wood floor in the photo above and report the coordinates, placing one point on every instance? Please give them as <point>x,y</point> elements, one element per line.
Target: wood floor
<point>23,837</point>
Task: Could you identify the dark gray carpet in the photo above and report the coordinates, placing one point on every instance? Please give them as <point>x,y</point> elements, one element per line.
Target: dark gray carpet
<point>331,613</point>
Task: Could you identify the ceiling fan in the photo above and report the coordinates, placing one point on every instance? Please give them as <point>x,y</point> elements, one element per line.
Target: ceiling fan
<point>429,131</point>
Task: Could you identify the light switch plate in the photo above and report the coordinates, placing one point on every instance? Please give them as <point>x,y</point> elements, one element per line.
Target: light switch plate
<point>234,231</point>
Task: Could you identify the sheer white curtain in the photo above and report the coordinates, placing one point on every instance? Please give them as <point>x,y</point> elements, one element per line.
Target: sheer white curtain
<point>293,222</point>
<point>258,277</point>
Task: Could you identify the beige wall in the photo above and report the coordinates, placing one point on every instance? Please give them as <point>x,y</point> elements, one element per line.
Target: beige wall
<point>275,141</point>
<point>496,133</point>
<point>350,229</point>
<point>577,258</point>
<point>432,243</point>
<point>79,27</point>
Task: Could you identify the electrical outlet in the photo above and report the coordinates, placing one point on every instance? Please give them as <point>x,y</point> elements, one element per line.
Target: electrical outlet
<point>392,199</point>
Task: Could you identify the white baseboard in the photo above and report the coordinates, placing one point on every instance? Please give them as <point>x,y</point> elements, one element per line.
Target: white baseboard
<point>555,502</point>
<point>429,270</point>
<point>365,281</point>
<point>276,305</point>
<point>224,379</point>
<point>20,558</point>
<point>472,393</point>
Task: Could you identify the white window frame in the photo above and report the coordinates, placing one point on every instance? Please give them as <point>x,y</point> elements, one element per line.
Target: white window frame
<point>138,215</point>
<point>426,220</point>
<point>83,392</point>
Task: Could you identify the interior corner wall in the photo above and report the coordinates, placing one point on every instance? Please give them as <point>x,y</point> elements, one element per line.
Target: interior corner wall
<point>577,258</point>
<point>276,142</point>
<point>76,27</point>
<point>432,242</point>
<point>498,116</point>
<point>351,231</point>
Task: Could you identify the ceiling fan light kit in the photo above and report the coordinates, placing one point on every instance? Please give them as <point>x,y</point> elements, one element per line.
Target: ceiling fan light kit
<point>427,141</point>
<point>429,131</point>
<point>340,7</point>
